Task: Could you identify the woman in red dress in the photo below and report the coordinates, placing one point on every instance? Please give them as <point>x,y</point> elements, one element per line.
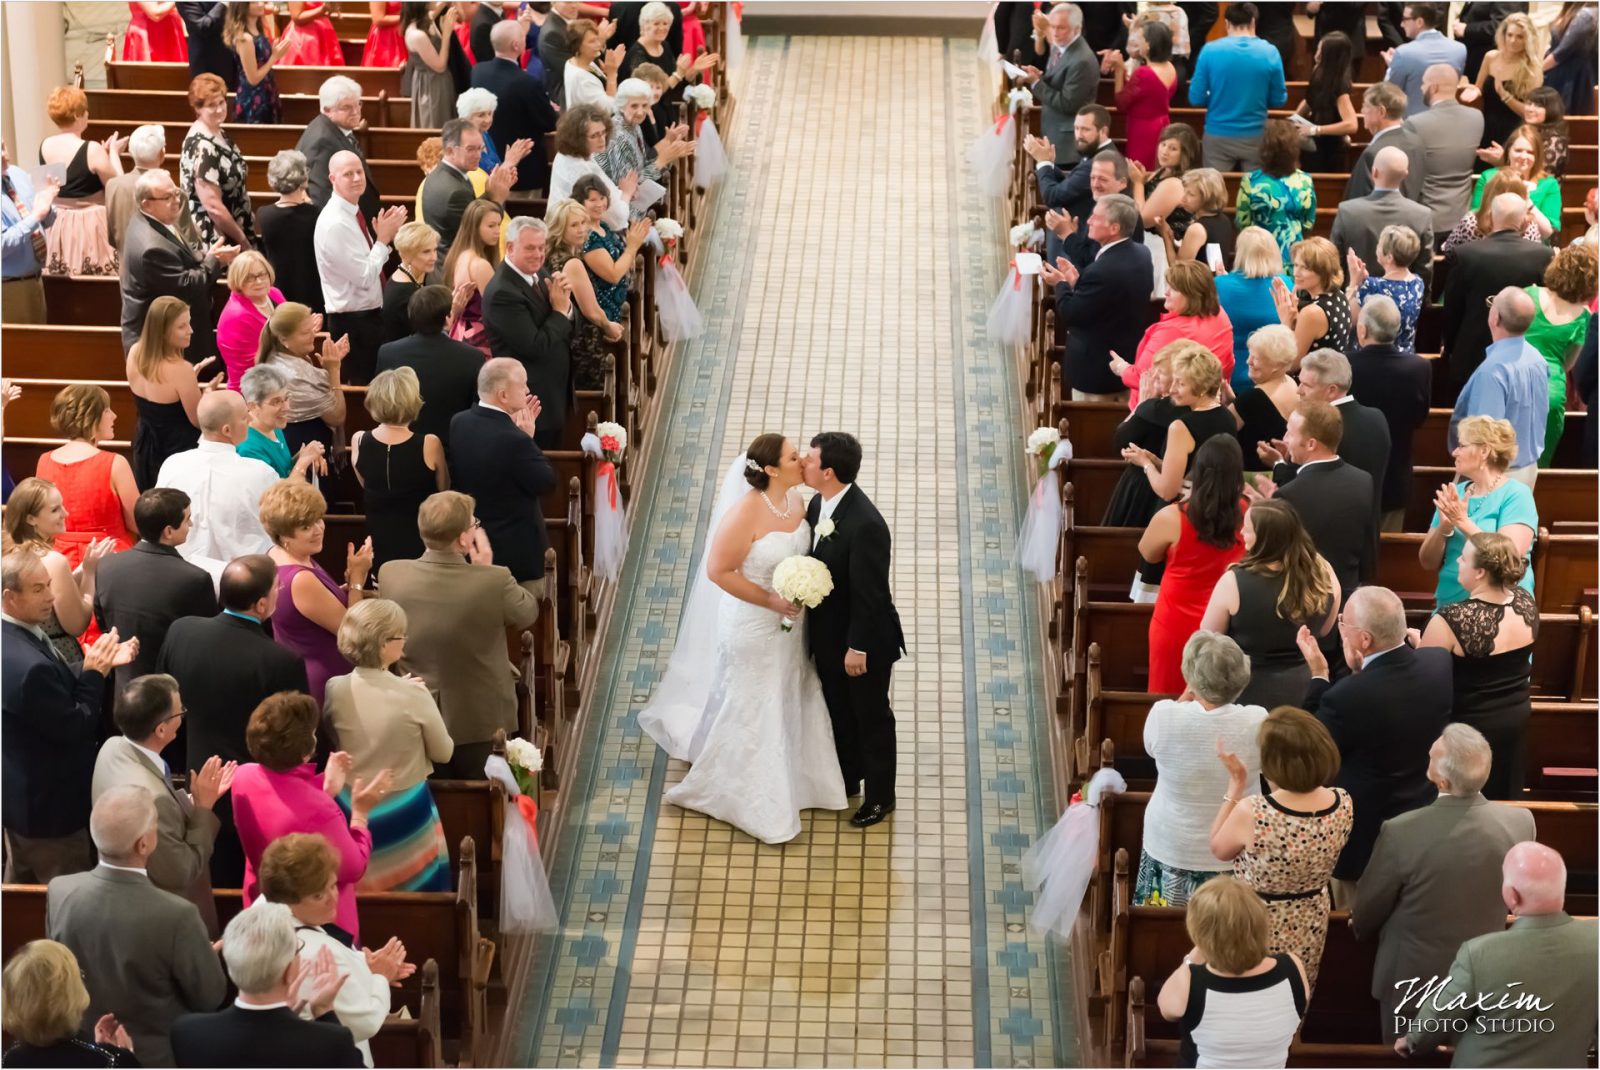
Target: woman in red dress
<point>96,485</point>
<point>155,34</point>
<point>1144,88</point>
<point>694,34</point>
<point>1198,539</point>
<point>385,46</point>
<point>316,42</point>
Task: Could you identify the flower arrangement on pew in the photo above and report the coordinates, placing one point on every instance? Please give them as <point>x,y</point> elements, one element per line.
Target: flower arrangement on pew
<point>1041,529</point>
<point>608,442</point>
<point>803,580</point>
<point>526,905</point>
<point>1010,319</point>
<point>992,154</point>
<point>680,318</point>
<point>710,157</point>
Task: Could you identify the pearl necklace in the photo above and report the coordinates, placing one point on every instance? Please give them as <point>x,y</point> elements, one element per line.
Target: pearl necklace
<point>781,516</point>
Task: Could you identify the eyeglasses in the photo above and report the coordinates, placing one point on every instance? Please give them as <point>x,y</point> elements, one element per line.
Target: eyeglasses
<point>183,711</point>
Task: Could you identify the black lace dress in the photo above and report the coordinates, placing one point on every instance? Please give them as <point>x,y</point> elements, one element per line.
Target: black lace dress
<point>1492,690</point>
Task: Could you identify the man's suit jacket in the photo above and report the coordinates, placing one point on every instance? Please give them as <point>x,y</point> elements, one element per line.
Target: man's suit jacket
<point>495,462</point>
<point>267,1038</point>
<point>1366,444</point>
<point>1119,278</point>
<point>1335,502</point>
<point>521,324</point>
<point>1350,19</point>
<point>208,54</point>
<point>447,372</point>
<point>144,953</point>
<point>859,614</point>
<point>140,592</point>
<point>182,860</point>
<point>524,111</point>
<point>1359,223</point>
<point>156,264</point>
<point>459,613</point>
<point>320,141</point>
<point>51,718</point>
<point>484,19</point>
<point>1063,89</point>
<point>1069,192</point>
<point>1449,851</point>
<point>446,193</point>
<point>1384,718</point>
<point>1550,956</point>
<point>554,51</point>
<point>1449,133</point>
<point>1360,181</point>
<point>1479,270</point>
<point>225,665</point>
<point>1400,386</point>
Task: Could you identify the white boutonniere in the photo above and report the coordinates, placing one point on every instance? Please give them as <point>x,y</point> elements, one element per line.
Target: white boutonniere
<point>824,528</point>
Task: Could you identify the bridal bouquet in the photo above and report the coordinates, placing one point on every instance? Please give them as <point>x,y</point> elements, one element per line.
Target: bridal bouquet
<point>608,442</point>
<point>1041,529</point>
<point>802,580</point>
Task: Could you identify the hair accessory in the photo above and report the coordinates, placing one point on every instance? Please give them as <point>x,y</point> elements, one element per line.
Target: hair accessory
<point>751,465</point>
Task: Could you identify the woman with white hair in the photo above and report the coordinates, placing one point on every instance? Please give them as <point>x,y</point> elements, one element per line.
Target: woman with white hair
<point>477,106</point>
<point>627,151</point>
<point>426,78</point>
<point>288,226</point>
<point>1263,413</point>
<point>653,46</point>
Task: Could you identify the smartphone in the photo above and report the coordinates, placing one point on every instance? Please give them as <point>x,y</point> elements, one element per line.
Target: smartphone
<point>1214,256</point>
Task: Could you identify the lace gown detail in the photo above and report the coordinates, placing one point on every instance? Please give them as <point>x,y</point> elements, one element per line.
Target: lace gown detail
<point>763,749</point>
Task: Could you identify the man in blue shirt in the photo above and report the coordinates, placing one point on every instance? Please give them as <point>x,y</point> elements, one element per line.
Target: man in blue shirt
<point>1236,79</point>
<point>1427,46</point>
<point>26,215</point>
<point>1512,383</point>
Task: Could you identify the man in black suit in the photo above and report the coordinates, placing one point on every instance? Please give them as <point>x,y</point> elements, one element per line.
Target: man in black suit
<point>157,263</point>
<point>208,54</point>
<point>447,190</point>
<point>1478,271</point>
<point>528,317</point>
<point>1325,376</point>
<point>225,665</point>
<point>1334,498</point>
<point>554,49</point>
<point>50,714</point>
<point>447,370</point>
<point>854,634</point>
<point>1073,191</point>
<point>495,457</point>
<point>264,1026</point>
<point>485,17</point>
<point>524,109</point>
<point>1384,718</point>
<point>143,590</point>
<point>333,132</point>
<point>1397,384</point>
<point>1119,278</point>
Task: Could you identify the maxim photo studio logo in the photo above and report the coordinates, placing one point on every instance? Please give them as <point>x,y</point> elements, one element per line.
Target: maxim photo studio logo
<point>1433,1006</point>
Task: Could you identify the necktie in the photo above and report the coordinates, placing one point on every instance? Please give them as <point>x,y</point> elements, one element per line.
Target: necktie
<point>37,235</point>
<point>361,221</point>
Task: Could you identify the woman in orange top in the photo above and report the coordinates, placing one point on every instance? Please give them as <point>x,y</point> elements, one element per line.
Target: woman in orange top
<point>96,485</point>
<point>1194,313</point>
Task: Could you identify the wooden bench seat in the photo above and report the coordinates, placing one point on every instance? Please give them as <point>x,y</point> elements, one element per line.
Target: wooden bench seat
<point>299,81</point>
<point>140,106</point>
<point>263,139</point>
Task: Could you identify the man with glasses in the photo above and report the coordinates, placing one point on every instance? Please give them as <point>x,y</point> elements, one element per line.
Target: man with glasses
<point>150,714</point>
<point>156,262</point>
<point>1421,23</point>
<point>447,190</point>
<point>335,131</point>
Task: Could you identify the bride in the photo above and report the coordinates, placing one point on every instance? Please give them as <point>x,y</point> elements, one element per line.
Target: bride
<point>740,699</point>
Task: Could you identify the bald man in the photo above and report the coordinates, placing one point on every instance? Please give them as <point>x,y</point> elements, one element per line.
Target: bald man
<point>1448,133</point>
<point>351,254</point>
<point>1545,956</point>
<point>1361,221</point>
<point>1479,270</point>
<point>1512,383</point>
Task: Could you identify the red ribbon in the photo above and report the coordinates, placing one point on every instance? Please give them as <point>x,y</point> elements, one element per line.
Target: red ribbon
<point>608,469</point>
<point>1016,276</point>
<point>1000,123</point>
<point>530,814</point>
<point>666,258</point>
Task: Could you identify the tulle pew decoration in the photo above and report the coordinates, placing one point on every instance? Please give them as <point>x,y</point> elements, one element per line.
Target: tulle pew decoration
<point>608,442</point>
<point>526,905</point>
<point>1010,319</point>
<point>1059,866</point>
<point>676,312</point>
<point>992,155</point>
<point>1041,528</point>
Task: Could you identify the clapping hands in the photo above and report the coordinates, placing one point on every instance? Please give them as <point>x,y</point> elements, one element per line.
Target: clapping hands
<point>1288,312</point>
<point>1272,452</point>
<point>1452,507</point>
<point>1062,224</point>
<point>358,563</point>
<point>526,418</point>
<point>333,352</point>
<point>1119,366</point>
<point>336,772</point>
<point>1311,652</point>
<point>1040,149</point>
<point>316,984</point>
<point>1064,271</point>
<point>108,1032</point>
<point>211,782</point>
<point>109,652</point>
<point>389,962</point>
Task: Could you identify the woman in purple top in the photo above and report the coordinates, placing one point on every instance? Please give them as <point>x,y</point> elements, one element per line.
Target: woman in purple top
<point>310,604</point>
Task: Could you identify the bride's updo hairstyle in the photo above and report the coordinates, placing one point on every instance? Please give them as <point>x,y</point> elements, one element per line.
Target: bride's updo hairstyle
<point>766,451</point>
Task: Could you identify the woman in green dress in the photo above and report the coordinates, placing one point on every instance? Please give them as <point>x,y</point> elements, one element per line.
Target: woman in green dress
<point>1561,316</point>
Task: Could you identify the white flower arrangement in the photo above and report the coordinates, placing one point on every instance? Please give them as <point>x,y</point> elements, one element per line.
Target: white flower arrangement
<point>1025,235</point>
<point>802,580</point>
<point>613,440</point>
<point>670,230</point>
<point>1041,444</point>
<point>701,96</point>
<point>1018,98</point>
<point>524,755</point>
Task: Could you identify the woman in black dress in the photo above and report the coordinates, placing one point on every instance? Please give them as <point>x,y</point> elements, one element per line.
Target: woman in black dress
<point>1196,382</point>
<point>1263,413</point>
<point>166,388</point>
<point>1327,105</point>
<point>288,228</point>
<point>396,467</point>
<point>1490,636</point>
<point>1205,197</point>
<point>418,247</point>
<point>655,47</point>
<point>1132,502</point>
<point>45,1001</point>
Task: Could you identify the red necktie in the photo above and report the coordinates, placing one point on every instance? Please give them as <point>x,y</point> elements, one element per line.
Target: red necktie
<point>361,221</point>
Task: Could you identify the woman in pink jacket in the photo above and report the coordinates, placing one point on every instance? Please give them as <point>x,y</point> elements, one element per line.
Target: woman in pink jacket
<point>1192,312</point>
<point>250,278</point>
<point>280,793</point>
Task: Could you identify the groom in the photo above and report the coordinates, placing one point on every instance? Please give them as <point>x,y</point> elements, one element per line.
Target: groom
<point>854,635</point>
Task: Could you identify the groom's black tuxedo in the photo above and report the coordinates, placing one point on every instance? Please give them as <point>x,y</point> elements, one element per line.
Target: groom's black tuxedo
<point>858,615</point>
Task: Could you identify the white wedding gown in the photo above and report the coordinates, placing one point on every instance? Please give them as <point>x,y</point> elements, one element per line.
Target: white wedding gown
<point>761,743</point>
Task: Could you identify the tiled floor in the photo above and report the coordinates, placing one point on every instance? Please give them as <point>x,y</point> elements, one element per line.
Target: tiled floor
<point>846,284</point>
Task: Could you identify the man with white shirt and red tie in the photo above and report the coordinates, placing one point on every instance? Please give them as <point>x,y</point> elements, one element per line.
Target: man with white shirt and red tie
<point>351,255</point>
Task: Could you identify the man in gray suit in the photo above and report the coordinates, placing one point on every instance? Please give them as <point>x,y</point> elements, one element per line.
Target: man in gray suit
<point>1360,222</point>
<point>1383,111</point>
<point>149,712</point>
<point>157,263</point>
<point>1486,1007</point>
<point>144,952</point>
<point>1447,852</point>
<point>1070,79</point>
<point>1449,133</point>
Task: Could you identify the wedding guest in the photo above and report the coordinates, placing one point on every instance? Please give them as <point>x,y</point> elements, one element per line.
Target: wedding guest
<point>527,318</point>
<point>1263,413</point>
<point>1205,196</point>
<point>34,519</point>
<point>350,260</point>
<point>1512,383</point>
<point>1397,249</point>
<point>1513,71</point>
<point>316,406</point>
<point>147,146</point>
<point>1360,223</point>
<point>390,726</point>
<point>1524,157</point>
<point>396,465</point>
<point>446,370</point>
<point>1280,585</point>
<point>1119,276</point>
<point>1545,113</point>
<point>1283,844</point>
<point>628,152</point>
<point>251,301</point>
<point>156,262</point>
<point>417,245</point>
<point>1572,56</point>
<point>1364,440</point>
<point>77,242</point>
<point>1133,503</point>
<point>256,98</point>
<point>581,137</point>
<point>451,187</point>
<point>1143,88</point>
<point>26,214</point>
<point>1277,196</point>
<point>1231,976</point>
<point>213,171</point>
<point>266,393</point>
<point>332,132</point>
<point>1194,542</point>
<point>1177,152</point>
<point>45,1003</point>
<point>1482,498</point>
<point>1327,105</point>
<point>97,486</point>
<point>310,604</point>
<point>1246,296</point>
<point>288,230</point>
<point>597,326</point>
<point>1561,317</point>
<point>609,256</point>
<point>1317,311</point>
<point>1236,79</point>
<point>1191,313</point>
<point>1383,109</point>
<point>315,41</point>
<point>475,256</point>
<point>1447,134</point>
<point>590,76</point>
<point>1073,190</point>
<point>1481,270</point>
<point>1196,381</point>
<point>154,34</point>
<point>1478,222</point>
<point>1398,384</point>
<point>523,110</point>
<point>1490,635</point>
<point>166,389</point>
<point>1427,49</point>
<point>660,42</point>
<point>427,63</point>
<point>1068,80</point>
<point>1183,736</point>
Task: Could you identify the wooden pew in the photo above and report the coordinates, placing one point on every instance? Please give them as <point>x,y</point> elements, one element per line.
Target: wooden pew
<point>292,81</point>
<point>96,300</point>
<point>140,106</point>
<point>405,1042</point>
<point>474,810</point>
<point>1564,657</point>
<point>264,139</point>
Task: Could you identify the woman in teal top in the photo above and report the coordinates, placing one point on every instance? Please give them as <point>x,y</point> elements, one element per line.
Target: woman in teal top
<point>266,392</point>
<point>1483,498</point>
<point>1278,196</point>
<point>1560,320</point>
<point>1525,156</point>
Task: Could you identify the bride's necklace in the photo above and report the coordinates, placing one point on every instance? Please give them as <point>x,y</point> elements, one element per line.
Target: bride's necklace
<point>784,515</point>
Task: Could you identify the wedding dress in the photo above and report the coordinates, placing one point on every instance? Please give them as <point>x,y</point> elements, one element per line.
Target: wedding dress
<point>742,703</point>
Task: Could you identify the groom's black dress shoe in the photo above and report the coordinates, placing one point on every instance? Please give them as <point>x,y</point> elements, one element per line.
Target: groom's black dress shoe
<point>868,816</point>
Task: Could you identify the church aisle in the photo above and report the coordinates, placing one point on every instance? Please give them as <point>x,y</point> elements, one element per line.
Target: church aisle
<point>845,287</point>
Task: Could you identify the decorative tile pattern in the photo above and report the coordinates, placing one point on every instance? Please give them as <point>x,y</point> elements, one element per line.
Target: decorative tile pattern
<point>850,266</point>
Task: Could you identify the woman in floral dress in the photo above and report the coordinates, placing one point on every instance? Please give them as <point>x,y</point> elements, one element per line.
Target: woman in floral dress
<point>1284,844</point>
<point>257,98</point>
<point>212,170</point>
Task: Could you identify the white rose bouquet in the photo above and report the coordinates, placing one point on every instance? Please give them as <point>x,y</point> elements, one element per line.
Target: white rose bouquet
<point>702,96</point>
<point>525,760</point>
<point>669,229</point>
<point>802,580</point>
<point>1026,235</point>
<point>1041,444</point>
<point>613,440</point>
